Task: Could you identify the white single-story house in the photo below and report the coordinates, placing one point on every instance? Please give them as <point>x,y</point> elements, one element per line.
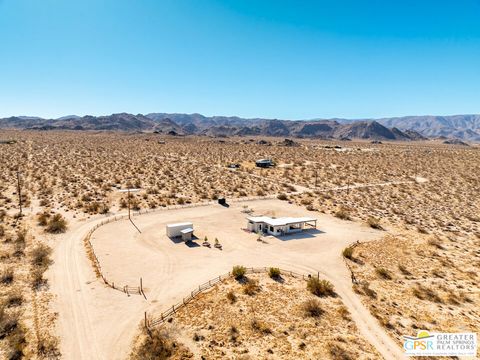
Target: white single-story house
<point>184,230</point>
<point>279,226</point>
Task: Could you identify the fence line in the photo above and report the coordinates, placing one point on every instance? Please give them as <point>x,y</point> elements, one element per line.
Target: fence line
<point>164,316</point>
<point>127,289</point>
<point>349,267</point>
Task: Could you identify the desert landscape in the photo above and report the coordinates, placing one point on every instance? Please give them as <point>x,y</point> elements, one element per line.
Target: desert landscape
<point>396,239</point>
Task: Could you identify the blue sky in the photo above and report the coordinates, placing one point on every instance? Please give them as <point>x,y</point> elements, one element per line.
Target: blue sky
<point>278,59</point>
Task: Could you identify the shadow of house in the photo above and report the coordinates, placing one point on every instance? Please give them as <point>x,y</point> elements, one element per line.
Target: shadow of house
<point>306,234</point>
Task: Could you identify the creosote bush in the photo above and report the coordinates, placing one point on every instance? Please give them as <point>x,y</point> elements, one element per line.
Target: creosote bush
<point>374,223</point>
<point>239,272</point>
<point>383,273</point>
<point>274,273</point>
<point>260,327</point>
<point>251,287</point>
<point>343,214</point>
<point>57,224</point>
<point>41,256</point>
<point>320,288</point>
<point>231,297</point>
<point>156,346</point>
<point>312,308</point>
<point>6,276</point>
<point>348,253</point>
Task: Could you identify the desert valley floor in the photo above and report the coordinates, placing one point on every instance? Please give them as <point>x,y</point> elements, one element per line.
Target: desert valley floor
<point>397,237</point>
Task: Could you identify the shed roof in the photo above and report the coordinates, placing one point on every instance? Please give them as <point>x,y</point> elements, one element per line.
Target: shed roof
<point>186,231</point>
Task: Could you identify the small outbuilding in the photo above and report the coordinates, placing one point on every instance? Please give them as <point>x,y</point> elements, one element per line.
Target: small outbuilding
<point>183,230</point>
<point>187,234</point>
<point>280,226</point>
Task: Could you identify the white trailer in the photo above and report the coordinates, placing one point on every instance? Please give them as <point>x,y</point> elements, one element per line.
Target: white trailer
<point>175,230</point>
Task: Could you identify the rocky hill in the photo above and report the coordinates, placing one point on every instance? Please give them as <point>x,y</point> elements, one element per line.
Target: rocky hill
<point>464,127</point>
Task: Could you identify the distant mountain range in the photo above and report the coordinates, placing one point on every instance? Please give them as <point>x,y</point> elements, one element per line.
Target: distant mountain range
<point>464,127</point>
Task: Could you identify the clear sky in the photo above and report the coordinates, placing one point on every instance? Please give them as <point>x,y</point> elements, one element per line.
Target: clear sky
<point>278,59</point>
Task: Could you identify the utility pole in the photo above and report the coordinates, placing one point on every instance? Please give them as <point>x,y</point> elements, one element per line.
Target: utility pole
<point>316,176</point>
<point>19,191</point>
<point>128,201</point>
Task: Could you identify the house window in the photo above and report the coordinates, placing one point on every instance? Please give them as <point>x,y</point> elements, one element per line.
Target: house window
<point>271,228</point>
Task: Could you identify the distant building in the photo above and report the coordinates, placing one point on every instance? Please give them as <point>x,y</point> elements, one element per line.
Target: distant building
<point>264,163</point>
<point>280,226</point>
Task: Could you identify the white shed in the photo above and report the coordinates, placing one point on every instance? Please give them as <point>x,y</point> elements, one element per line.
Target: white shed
<point>175,230</point>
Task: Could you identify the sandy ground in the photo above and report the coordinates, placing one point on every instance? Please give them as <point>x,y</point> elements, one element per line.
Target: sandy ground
<point>292,334</point>
<point>100,323</point>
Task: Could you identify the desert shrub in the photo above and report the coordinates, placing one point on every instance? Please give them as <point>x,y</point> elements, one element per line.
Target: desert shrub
<point>13,298</point>
<point>6,276</point>
<point>260,326</point>
<point>37,279</point>
<point>344,313</point>
<point>404,270</point>
<point>16,342</point>
<point>383,273</point>
<point>374,223</point>
<point>312,308</point>
<point>8,322</point>
<point>40,256</point>
<point>2,231</point>
<point>43,218</point>
<point>274,273</point>
<point>367,291</point>
<point>282,196</point>
<point>251,287</point>
<point>422,230</point>
<point>239,272</point>
<point>21,237</point>
<point>435,242</point>
<point>157,346</point>
<point>306,201</point>
<point>343,213</point>
<point>231,297</point>
<point>426,293</point>
<point>57,224</point>
<point>234,333</point>
<point>338,352</point>
<point>320,287</point>
<point>123,203</point>
<point>348,252</point>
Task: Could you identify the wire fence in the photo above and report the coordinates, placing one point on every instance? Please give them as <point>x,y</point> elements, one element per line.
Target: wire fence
<point>349,267</point>
<point>127,289</point>
<point>138,290</point>
<point>164,316</point>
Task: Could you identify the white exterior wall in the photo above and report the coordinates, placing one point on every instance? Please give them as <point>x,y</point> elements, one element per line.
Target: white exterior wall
<point>174,230</point>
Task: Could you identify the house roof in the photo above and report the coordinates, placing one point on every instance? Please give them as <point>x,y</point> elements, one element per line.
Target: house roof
<point>189,224</point>
<point>279,221</point>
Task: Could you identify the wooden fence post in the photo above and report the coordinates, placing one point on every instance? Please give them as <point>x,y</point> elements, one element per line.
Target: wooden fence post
<point>146,323</point>
<point>141,285</point>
